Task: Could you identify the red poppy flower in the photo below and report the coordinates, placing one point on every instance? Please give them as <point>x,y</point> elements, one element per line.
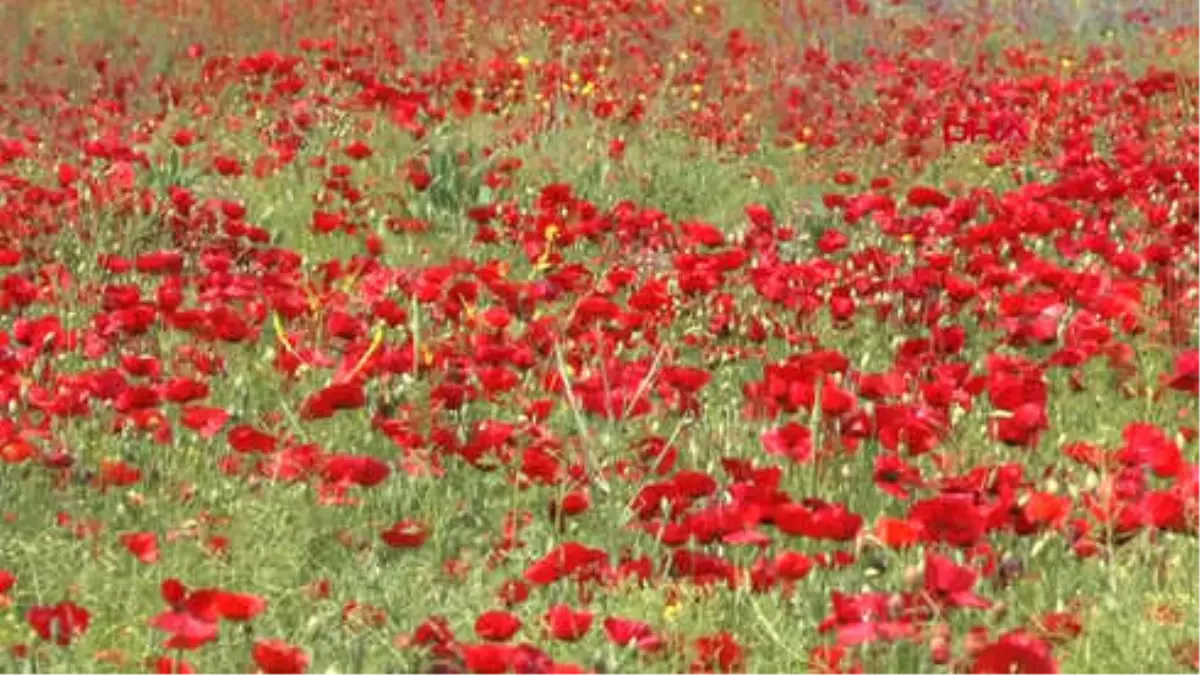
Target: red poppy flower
<point>791,440</point>
<point>954,520</point>
<point>566,624</point>
<point>488,659</point>
<point>832,241</point>
<point>247,439</point>
<point>239,606</point>
<point>629,632</point>
<point>167,665</point>
<point>1015,652</point>
<point>205,421</point>
<point>895,533</point>
<point>497,625</point>
<point>362,470</point>
<point>718,653</point>
<point>950,584</point>
<point>405,534</point>
<point>324,403</point>
<point>61,623</point>
<point>1185,376</point>
<point>922,196</point>
<point>358,150</point>
<point>277,656</point>
<point>792,565</point>
<point>187,630</point>
<point>143,545</point>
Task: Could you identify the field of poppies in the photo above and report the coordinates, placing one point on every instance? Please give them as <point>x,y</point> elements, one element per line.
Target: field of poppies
<point>599,335</point>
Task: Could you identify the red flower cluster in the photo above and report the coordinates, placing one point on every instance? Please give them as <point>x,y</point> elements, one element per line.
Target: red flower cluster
<point>894,325</point>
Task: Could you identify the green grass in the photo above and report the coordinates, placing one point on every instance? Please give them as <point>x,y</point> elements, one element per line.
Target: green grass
<point>281,540</point>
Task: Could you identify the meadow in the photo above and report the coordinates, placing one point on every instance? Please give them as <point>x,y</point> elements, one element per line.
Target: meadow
<point>599,336</point>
